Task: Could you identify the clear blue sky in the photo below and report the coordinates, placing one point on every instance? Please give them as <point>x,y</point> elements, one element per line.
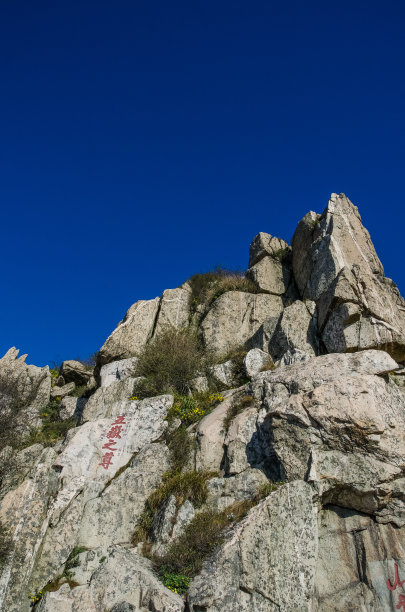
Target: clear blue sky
<point>142,142</point>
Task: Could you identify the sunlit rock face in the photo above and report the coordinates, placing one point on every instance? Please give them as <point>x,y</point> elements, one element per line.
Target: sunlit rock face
<point>335,264</point>
<point>299,448</point>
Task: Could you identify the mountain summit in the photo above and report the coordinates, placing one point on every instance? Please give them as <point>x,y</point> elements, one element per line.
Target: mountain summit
<point>237,445</point>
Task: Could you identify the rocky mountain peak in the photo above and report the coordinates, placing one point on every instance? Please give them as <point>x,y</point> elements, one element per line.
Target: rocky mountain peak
<point>238,444</point>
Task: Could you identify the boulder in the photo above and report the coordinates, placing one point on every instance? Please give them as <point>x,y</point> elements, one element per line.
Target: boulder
<point>223,373</point>
<point>62,391</point>
<point>266,245</point>
<point>223,492</point>
<point>235,317</point>
<point>210,435</point>
<point>174,310</point>
<point>132,333</point>
<point>335,264</point>
<point>270,276</point>
<point>255,360</point>
<point>295,329</point>
<point>101,403</point>
<point>117,370</point>
<point>144,321</point>
<point>74,371</point>
<point>72,408</point>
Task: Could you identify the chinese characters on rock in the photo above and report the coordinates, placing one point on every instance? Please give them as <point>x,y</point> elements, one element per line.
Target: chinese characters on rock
<point>392,587</point>
<point>111,445</point>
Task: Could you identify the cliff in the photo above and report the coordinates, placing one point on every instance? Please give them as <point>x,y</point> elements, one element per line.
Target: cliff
<point>239,444</point>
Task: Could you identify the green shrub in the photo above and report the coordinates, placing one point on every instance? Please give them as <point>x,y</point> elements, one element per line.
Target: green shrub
<point>180,447</point>
<point>207,287</point>
<point>53,429</point>
<point>175,582</point>
<point>169,362</point>
<point>73,561</point>
<point>201,536</point>
<point>184,486</point>
<point>191,408</point>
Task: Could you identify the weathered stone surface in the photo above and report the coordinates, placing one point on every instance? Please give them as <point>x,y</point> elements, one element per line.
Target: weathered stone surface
<point>335,262</point>
<point>72,408</point>
<point>268,562</point>
<point>132,333</point>
<point>210,435</point>
<point>293,356</point>
<point>63,391</point>
<point>270,276</point>
<point>101,403</point>
<point>24,390</point>
<point>235,317</point>
<point>123,578</point>
<point>255,360</point>
<point>118,370</point>
<point>22,512</point>
<point>263,245</point>
<point>295,329</point>
<point>169,523</point>
<point>74,371</point>
<point>174,310</point>
<point>111,517</point>
<point>223,492</point>
<point>223,373</point>
<point>356,557</point>
<point>334,422</point>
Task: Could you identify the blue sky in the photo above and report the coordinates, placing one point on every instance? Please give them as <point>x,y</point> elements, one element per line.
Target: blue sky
<point>142,142</point>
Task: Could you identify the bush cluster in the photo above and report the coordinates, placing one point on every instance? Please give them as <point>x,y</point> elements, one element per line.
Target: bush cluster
<point>191,408</point>
<point>53,428</point>
<point>201,536</point>
<point>169,362</point>
<point>191,486</point>
<point>208,286</point>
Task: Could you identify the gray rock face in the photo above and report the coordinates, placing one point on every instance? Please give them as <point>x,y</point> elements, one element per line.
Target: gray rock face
<point>295,329</point>
<point>169,523</point>
<point>74,371</point>
<point>123,579</point>
<point>132,333</point>
<point>255,360</point>
<point>63,391</point>
<point>101,403</point>
<point>144,320</point>
<point>235,317</point>
<point>112,516</point>
<point>24,390</point>
<point>323,436</point>
<point>335,264</point>
<point>223,492</point>
<point>277,537</point>
<point>72,408</point>
<point>266,245</point>
<point>117,370</point>
<point>270,276</point>
<point>223,373</point>
<point>174,310</point>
